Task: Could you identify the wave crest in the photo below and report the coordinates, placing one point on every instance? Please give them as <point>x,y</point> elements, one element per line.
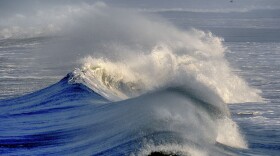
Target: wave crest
<point>187,64</point>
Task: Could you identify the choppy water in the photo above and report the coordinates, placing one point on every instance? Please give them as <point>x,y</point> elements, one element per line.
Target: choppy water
<point>259,64</point>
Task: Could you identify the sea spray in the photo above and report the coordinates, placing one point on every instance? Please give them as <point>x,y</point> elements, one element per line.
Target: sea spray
<point>166,66</point>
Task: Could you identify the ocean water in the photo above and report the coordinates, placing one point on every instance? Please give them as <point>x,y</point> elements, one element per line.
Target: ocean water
<point>184,83</point>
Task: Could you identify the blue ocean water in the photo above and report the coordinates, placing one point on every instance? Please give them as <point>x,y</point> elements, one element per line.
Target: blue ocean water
<point>185,92</point>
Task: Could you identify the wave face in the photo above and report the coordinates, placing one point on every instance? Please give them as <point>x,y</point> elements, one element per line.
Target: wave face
<point>146,87</point>
<point>70,119</point>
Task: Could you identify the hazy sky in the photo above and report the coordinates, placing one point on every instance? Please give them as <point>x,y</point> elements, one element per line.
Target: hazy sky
<point>18,6</point>
<point>199,4</point>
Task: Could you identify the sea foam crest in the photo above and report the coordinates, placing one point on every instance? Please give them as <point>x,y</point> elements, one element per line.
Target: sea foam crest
<point>196,57</point>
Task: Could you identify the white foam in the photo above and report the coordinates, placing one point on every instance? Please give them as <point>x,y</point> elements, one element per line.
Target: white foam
<point>172,64</point>
<point>228,134</point>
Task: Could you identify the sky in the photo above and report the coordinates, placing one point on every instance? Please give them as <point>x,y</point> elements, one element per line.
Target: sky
<point>200,4</point>
<point>8,7</point>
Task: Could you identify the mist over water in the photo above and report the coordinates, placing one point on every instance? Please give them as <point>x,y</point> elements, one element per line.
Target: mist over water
<point>143,45</point>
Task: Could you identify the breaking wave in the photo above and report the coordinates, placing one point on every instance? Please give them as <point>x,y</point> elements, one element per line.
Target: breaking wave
<point>145,87</point>
<point>197,61</point>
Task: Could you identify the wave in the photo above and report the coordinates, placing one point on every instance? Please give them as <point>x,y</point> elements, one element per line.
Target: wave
<point>165,66</point>
<point>145,88</point>
<point>70,118</point>
<point>139,53</point>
